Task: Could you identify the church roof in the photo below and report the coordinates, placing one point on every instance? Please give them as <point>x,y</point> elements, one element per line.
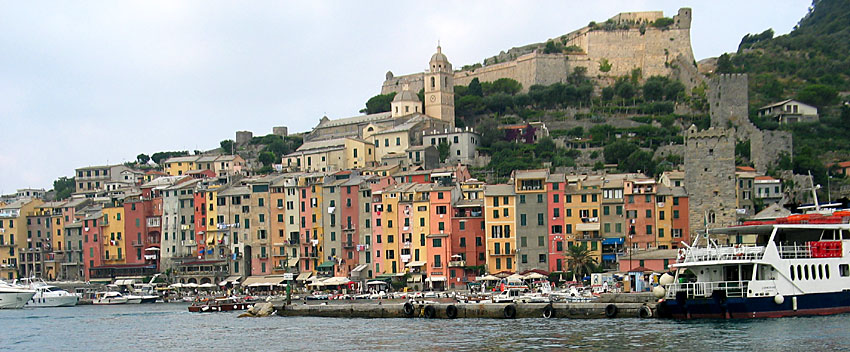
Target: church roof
<point>355,120</point>
<point>439,56</point>
<point>406,95</point>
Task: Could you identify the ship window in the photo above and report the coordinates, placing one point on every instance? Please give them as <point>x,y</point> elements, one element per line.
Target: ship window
<point>793,277</point>
<point>826,269</point>
<point>806,271</point>
<point>799,272</point>
<point>820,271</point>
<point>844,270</point>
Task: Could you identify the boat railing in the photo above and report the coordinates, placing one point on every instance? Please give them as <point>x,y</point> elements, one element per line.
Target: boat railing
<point>707,289</point>
<point>739,252</point>
<point>794,251</point>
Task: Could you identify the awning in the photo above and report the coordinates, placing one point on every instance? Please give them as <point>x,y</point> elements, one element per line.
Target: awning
<point>359,268</point>
<point>254,281</point>
<point>292,263</point>
<point>587,227</point>
<point>415,278</point>
<point>327,265</point>
<point>609,257</point>
<point>233,280</point>
<point>337,280</point>
<point>415,264</point>
<point>617,240</point>
<point>435,278</point>
<point>152,249</point>
<point>303,276</point>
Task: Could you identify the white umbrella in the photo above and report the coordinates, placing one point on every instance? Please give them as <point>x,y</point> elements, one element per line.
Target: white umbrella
<point>176,285</point>
<point>191,285</point>
<point>534,276</point>
<point>376,283</point>
<point>207,285</point>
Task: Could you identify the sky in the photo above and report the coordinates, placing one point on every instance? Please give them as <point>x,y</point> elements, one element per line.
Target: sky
<point>97,82</point>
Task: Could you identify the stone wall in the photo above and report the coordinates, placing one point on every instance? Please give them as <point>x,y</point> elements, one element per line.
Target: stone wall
<point>243,137</point>
<point>664,52</point>
<point>710,177</point>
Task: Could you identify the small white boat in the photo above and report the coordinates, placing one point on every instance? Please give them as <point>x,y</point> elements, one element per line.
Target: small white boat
<point>133,299</point>
<point>109,297</point>
<point>14,296</point>
<point>49,296</point>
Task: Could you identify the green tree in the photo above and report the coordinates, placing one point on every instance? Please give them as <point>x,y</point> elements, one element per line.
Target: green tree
<point>379,103</point>
<point>724,64</point>
<point>580,261</point>
<point>819,95</point>
<point>474,88</point>
<point>607,93</point>
<point>653,89</point>
<point>604,65</point>
<point>143,159</point>
<point>226,146</point>
<point>625,89</point>
<point>619,151</point>
<point>158,157</point>
<point>638,161</point>
<point>267,158</point>
<point>444,148</point>
<point>63,187</point>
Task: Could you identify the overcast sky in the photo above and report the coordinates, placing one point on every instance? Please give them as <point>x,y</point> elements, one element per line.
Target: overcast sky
<point>89,83</point>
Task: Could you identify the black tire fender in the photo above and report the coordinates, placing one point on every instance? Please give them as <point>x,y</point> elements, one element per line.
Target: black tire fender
<point>611,310</point>
<point>548,311</point>
<point>451,311</point>
<point>510,311</point>
<point>407,309</point>
<point>645,312</point>
<point>430,312</point>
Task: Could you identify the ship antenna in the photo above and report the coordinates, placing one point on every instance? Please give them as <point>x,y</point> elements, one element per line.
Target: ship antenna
<point>814,191</point>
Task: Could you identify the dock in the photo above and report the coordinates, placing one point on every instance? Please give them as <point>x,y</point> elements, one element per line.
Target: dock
<point>460,310</point>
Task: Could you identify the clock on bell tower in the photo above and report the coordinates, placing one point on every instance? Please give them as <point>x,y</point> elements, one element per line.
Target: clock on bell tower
<point>439,88</point>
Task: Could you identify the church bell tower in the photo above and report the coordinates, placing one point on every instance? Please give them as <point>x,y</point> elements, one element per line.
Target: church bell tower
<point>439,89</point>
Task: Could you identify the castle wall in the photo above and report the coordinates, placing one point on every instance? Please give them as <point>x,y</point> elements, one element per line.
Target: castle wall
<point>654,52</point>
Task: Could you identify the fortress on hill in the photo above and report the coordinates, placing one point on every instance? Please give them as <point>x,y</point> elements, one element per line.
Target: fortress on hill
<point>629,40</point>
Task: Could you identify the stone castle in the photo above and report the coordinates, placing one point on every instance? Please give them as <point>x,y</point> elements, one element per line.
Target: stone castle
<point>626,42</point>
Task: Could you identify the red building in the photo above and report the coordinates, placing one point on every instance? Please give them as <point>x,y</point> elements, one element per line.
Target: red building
<point>557,241</point>
<point>467,241</point>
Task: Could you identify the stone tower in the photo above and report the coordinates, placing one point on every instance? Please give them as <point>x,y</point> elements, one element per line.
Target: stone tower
<point>439,88</point>
<point>728,99</point>
<point>710,177</point>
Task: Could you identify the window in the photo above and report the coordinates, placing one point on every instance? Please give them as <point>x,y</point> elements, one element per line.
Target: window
<point>556,213</point>
<point>541,258</point>
<point>675,214</point>
<point>437,242</point>
<point>524,258</point>
<point>522,220</point>
<point>675,200</point>
<point>462,226</point>
<point>540,219</point>
<point>661,215</point>
<point>522,199</point>
<point>648,229</point>
<point>648,213</point>
<point>844,270</point>
<point>539,198</point>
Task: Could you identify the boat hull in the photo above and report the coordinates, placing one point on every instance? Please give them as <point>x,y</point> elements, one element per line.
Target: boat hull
<point>226,307</point>
<point>56,301</point>
<point>15,300</point>
<point>757,307</point>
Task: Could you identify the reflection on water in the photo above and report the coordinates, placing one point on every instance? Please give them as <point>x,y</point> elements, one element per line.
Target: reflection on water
<point>171,327</point>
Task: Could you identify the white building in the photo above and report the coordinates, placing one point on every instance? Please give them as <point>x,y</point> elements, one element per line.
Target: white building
<point>789,111</point>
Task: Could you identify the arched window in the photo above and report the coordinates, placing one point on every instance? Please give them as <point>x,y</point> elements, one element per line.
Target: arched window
<point>433,82</point>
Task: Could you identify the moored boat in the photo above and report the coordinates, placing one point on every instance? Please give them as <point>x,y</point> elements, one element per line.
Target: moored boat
<point>49,295</point>
<point>14,296</point>
<point>109,298</point>
<point>799,265</point>
<point>220,305</point>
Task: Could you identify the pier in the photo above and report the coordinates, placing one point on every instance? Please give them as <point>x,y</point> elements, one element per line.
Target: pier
<point>623,308</point>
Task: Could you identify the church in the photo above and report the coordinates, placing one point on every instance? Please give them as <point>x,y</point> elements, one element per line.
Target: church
<point>363,141</point>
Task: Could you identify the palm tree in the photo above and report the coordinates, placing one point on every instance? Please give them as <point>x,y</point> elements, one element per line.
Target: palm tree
<point>580,261</point>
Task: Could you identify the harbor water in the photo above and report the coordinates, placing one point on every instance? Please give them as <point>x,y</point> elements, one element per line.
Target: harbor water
<point>170,327</point>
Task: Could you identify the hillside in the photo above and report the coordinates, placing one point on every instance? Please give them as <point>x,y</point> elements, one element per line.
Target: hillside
<point>811,64</point>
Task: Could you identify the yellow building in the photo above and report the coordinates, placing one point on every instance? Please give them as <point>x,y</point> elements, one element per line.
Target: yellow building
<point>180,165</point>
<point>500,217</point>
<point>391,229</point>
<point>113,235</point>
<point>331,155</point>
<point>421,215</point>
<point>13,230</point>
<point>213,236</point>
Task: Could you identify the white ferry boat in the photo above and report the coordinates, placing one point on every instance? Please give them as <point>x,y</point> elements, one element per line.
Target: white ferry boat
<point>798,265</point>
<point>49,296</point>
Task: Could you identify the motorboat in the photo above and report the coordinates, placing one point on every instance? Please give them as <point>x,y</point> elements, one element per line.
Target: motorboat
<point>49,295</point>
<point>108,298</point>
<point>14,296</point>
<point>226,304</point>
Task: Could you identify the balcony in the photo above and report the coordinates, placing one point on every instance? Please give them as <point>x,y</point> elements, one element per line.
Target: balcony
<point>262,256</point>
<point>309,255</point>
<point>189,243</point>
<point>348,244</point>
<point>502,253</point>
<point>457,263</point>
<point>138,244</point>
<point>736,253</point>
<point>468,214</point>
